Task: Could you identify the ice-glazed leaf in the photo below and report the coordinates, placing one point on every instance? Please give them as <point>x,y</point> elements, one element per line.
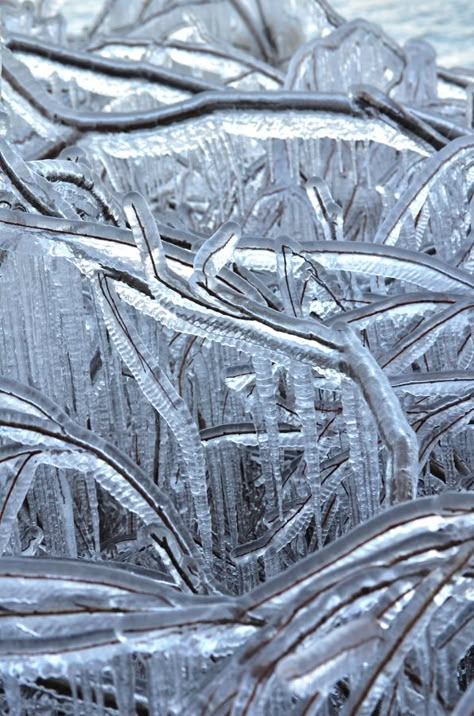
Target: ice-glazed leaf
<point>342,651</point>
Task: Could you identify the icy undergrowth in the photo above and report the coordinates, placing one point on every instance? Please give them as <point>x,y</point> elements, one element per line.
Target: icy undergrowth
<point>236,365</point>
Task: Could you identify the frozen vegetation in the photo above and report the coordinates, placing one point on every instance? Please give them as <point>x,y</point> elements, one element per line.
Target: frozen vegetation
<point>236,365</point>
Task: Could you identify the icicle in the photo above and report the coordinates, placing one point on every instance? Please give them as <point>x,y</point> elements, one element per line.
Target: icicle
<point>304,405</point>
<point>155,676</point>
<point>328,213</point>
<point>123,671</point>
<point>363,450</point>
<point>67,504</point>
<point>12,690</point>
<point>269,443</point>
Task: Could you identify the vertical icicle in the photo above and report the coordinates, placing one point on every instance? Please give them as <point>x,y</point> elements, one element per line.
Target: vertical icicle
<point>248,572</point>
<point>123,671</point>
<point>219,504</point>
<point>93,504</point>
<point>363,450</point>
<point>304,404</point>
<point>269,442</point>
<point>229,488</point>
<point>13,696</point>
<point>87,700</point>
<point>272,563</point>
<point>72,676</point>
<point>64,491</point>
<point>164,463</point>
<point>72,338</point>
<point>51,515</point>
<point>98,681</point>
<point>154,669</point>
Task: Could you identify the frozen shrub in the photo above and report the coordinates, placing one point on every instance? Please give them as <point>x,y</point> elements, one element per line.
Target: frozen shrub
<point>236,365</point>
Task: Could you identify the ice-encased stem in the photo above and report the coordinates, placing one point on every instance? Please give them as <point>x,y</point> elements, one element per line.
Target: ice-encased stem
<point>29,417</point>
<point>338,349</point>
<point>399,438</point>
<point>159,390</point>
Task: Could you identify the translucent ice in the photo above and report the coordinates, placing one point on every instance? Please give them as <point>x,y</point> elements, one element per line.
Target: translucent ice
<point>236,364</point>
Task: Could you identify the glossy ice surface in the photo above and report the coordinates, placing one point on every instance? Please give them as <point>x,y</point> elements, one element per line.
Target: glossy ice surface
<point>236,364</point>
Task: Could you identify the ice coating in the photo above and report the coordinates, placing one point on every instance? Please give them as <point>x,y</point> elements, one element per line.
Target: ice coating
<point>236,365</point>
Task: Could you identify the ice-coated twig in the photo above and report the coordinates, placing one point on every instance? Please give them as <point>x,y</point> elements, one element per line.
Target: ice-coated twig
<point>99,609</point>
<point>157,387</point>
<point>214,254</point>
<point>33,189</point>
<point>27,416</point>
<point>77,173</point>
<point>301,612</point>
<point>103,65</point>
<point>370,97</point>
<point>391,261</point>
<point>413,199</point>
<point>205,103</point>
<point>391,421</point>
<point>404,305</point>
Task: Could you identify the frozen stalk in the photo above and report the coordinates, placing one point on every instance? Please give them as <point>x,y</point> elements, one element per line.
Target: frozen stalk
<point>399,438</point>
